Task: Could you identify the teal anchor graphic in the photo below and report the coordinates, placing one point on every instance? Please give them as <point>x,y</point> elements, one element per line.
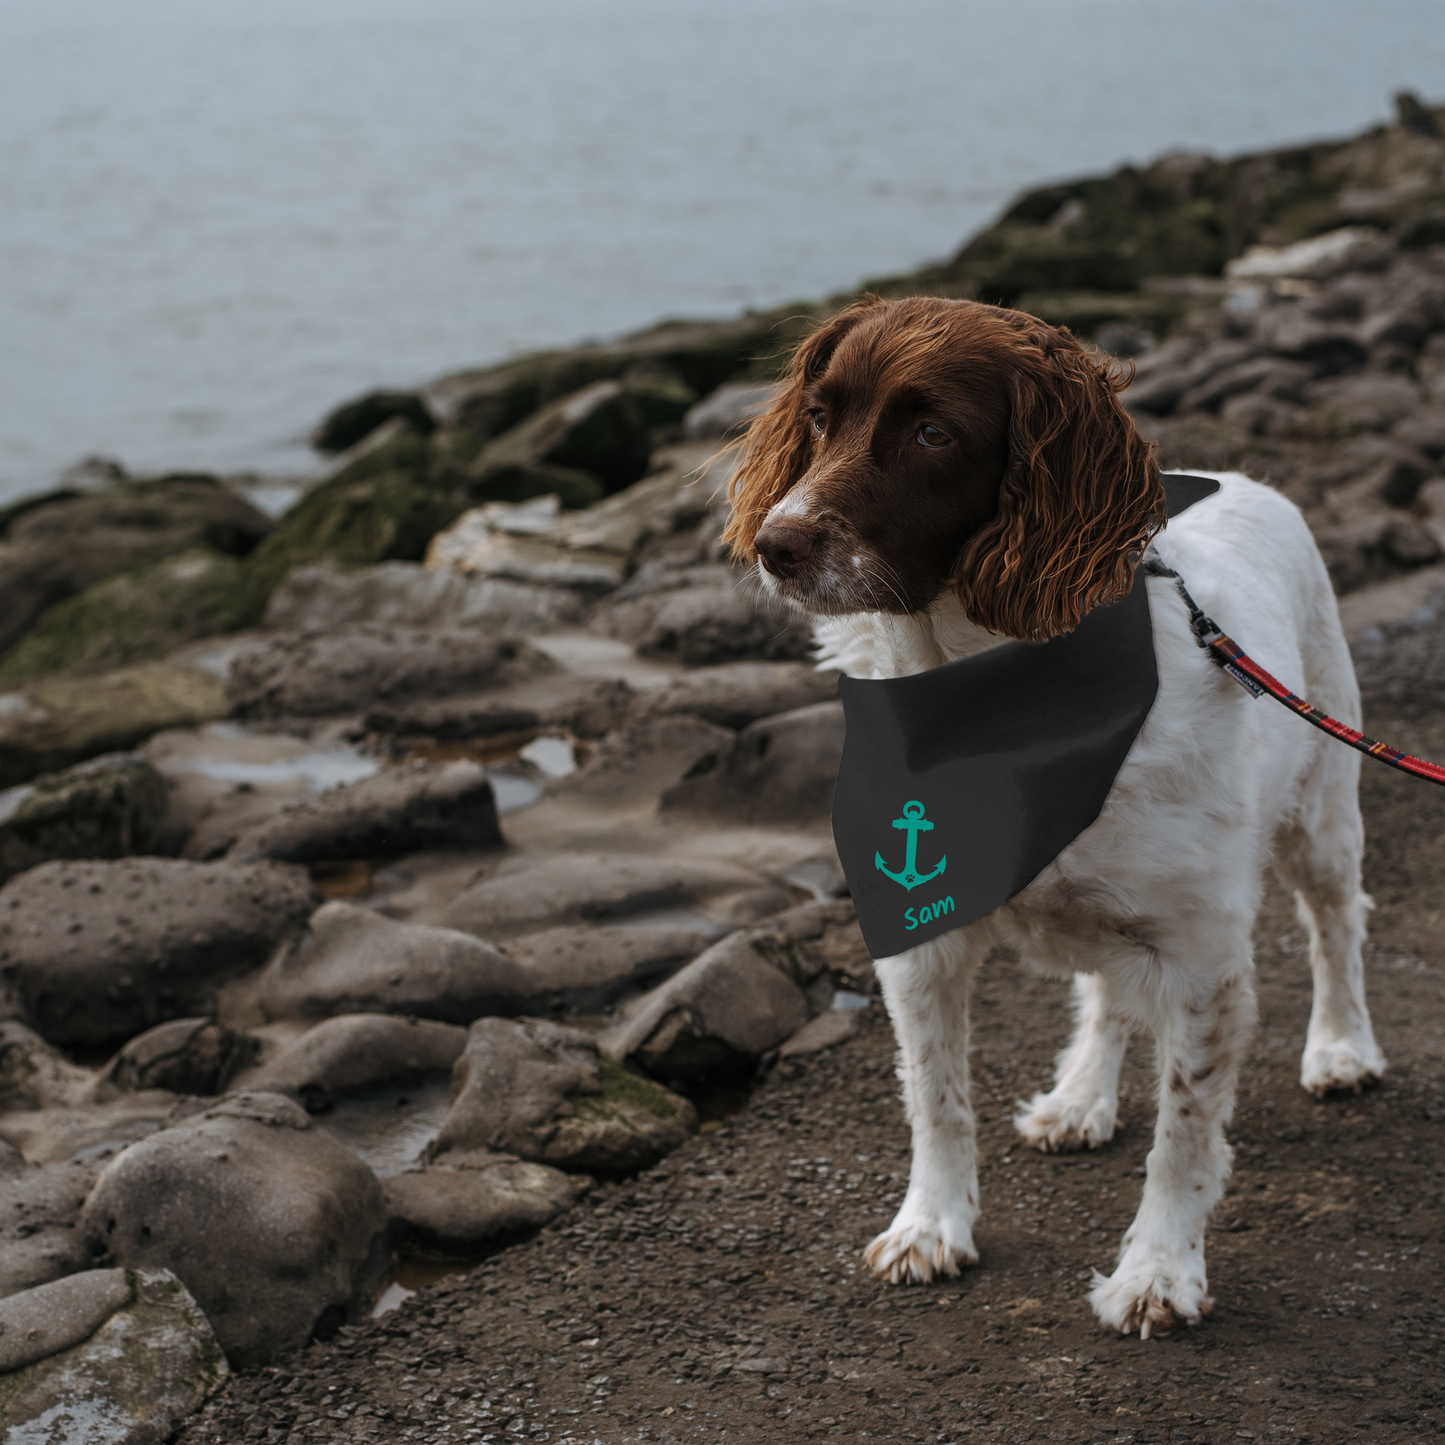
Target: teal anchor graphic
<point>915,823</point>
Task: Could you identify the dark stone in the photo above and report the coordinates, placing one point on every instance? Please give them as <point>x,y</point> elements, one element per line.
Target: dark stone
<point>95,952</point>
<point>355,420</point>
<point>186,1056</point>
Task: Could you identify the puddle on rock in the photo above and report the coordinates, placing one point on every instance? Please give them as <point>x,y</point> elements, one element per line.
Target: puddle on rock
<point>389,1128</point>
<point>415,1272</point>
<point>12,798</point>
<point>233,754</point>
<point>553,757</point>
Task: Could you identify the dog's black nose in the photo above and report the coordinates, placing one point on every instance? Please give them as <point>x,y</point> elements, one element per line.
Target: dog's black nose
<point>784,546</point>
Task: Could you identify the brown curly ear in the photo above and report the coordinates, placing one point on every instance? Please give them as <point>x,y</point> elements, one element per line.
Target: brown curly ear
<point>1080,498</point>
<point>778,445</point>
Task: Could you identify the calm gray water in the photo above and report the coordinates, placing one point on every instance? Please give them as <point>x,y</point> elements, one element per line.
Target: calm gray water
<point>218,220</point>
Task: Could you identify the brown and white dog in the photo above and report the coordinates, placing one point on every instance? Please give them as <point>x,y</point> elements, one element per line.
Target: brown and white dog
<point>937,477</point>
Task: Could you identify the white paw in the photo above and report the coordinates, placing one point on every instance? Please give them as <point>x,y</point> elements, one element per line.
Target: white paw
<point>1341,1064</point>
<point>1062,1122</point>
<point>919,1245</point>
<point>1151,1293</point>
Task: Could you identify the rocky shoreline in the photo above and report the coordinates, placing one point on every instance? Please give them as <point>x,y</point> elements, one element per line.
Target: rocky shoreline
<point>382,879</point>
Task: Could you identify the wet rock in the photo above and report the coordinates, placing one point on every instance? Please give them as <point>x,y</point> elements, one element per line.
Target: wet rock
<point>98,951</point>
<point>474,1200</point>
<point>407,594</point>
<point>587,970</point>
<point>60,721</point>
<point>314,674</point>
<point>600,430</point>
<point>351,960</point>
<point>355,420</point>
<point>137,616</point>
<point>186,1056</point>
<point>42,1321</point>
<point>269,1223</point>
<point>584,707</point>
<point>1405,661</point>
<point>33,1075</point>
<point>54,547</point>
<point>355,1052</point>
<point>744,996</point>
<point>541,1091</point>
<point>739,693</point>
<point>407,809</point>
<point>703,615</point>
<point>728,410</point>
<point>523,896</point>
<point>39,1210</point>
<point>105,808</point>
<point>780,770</point>
<point>148,1364</point>
<point>642,757</point>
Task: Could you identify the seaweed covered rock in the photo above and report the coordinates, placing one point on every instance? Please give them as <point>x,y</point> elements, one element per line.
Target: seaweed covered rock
<point>136,615</point>
<point>354,421</point>
<point>54,546</point>
<point>541,1091</point>
<point>108,807</point>
<point>139,1357</point>
<point>270,1224</point>
<point>60,721</point>
<point>95,952</point>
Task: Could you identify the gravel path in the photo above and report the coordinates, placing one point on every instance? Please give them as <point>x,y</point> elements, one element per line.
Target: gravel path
<point>721,1295</point>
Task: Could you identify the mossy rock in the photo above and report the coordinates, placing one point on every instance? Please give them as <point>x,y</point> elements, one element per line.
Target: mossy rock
<point>64,720</point>
<point>627,1123</point>
<point>137,616</point>
<point>109,807</point>
<point>356,420</point>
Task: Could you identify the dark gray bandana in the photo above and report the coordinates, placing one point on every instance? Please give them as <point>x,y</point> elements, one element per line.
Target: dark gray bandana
<point>960,785</point>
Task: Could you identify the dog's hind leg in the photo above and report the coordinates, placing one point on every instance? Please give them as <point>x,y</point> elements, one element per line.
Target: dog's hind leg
<point>1318,855</point>
<point>1081,1110</point>
<point>926,990</point>
<point>1202,1014</point>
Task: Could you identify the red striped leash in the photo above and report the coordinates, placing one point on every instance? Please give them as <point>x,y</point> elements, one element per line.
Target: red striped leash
<point>1230,656</point>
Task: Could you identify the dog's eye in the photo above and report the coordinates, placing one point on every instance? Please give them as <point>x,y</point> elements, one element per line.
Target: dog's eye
<point>819,419</point>
<point>931,436</point>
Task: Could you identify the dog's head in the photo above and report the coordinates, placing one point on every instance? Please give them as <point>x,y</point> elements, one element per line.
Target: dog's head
<point>923,445</point>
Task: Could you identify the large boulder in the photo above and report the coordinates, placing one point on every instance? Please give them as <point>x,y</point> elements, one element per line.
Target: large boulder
<point>356,1052</point>
<point>738,693</point>
<point>63,720</point>
<point>138,615</point>
<point>138,1357</point>
<point>313,674</point>
<point>39,1210</point>
<point>475,1200</point>
<point>55,546</point>
<point>407,594</point>
<point>93,952</point>
<point>587,707</point>
<point>744,996</point>
<point>270,1224</point>
<point>186,1056</point>
<point>105,808</point>
<point>702,615</point>
<point>408,809</point>
<point>524,896</point>
<point>352,960</point>
<point>780,770</point>
<point>542,1091</point>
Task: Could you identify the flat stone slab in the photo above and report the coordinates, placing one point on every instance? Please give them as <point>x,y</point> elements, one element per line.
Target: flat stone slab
<point>131,1379</point>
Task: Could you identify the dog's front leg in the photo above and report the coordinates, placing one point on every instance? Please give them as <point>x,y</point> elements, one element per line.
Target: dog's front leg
<point>926,990</point>
<point>1202,1025</point>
